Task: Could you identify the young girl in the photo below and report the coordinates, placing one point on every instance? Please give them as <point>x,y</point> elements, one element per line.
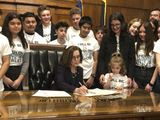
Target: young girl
<point>116,79</point>
<point>145,72</point>
<point>19,59</point>
<point>133,26</point>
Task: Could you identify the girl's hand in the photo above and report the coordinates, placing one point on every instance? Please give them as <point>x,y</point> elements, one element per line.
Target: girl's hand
<point>16,84</point>
<point>8,82</point>
<point>148,88</point>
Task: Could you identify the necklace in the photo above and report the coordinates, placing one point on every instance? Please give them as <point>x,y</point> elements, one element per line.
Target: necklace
<point>74,75</point>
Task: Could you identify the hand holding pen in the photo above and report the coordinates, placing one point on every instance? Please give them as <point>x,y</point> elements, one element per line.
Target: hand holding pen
<point>82,90</point>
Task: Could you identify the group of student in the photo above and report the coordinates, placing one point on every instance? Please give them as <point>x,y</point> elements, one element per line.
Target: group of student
<point>122,56</point>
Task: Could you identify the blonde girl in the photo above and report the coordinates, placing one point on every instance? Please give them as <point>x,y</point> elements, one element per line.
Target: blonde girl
<point>116,78</point>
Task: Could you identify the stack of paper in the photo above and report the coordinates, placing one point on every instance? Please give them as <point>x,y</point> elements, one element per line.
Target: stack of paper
<point>49,93</point>
<point>98,92</point>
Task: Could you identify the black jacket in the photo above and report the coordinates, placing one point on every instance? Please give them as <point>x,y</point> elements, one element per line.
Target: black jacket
<point>109,46</point>
<point>64,78</point>
<point>39,30</point>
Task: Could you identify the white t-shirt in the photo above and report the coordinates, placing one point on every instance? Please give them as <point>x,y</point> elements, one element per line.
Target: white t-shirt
<point>88,45</point>
<point>0,29</point>
<point>47,32</point>
<point>142,60</point>
<point>157,47</point>
<point>4,50</point>
<point>18,51</point>
<point>118,80</point>
<point>55,42</point>
<point>71,33</point>
<point>35,38</point>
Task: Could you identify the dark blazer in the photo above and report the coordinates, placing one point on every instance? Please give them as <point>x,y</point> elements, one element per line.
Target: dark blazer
<point>64,79</point>
<point>109,46</point>
<point>39,30</point>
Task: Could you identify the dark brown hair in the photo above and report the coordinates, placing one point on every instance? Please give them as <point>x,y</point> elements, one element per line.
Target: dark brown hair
<point>6,31</point>
<point>67,56</point>
<point>149,38</point>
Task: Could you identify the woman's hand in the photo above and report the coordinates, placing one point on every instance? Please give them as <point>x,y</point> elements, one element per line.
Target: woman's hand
<point>134,84</point>
<point>102,80</point>
<point>130,83</point>
<point>81,90</point>
<point>90,81</point>
<point>108,83</point>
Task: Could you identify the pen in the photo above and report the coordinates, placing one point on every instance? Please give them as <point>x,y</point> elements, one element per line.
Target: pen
<point>91,92</point>
<point>80,84</point>
<point>84,83</point>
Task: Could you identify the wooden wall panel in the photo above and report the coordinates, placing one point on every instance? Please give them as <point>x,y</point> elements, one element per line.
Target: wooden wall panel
<point>59,8</point>
<point>92,8</point>
<point>132,8</point>
<point>62,15</point>
<point>5,9</point>
<point>26,8</point>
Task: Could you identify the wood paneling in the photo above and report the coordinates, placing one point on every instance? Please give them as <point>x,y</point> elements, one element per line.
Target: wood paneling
<point>59,8</point>
<point>92,8</point>
<point>5,9</point>
<point>132,8</point>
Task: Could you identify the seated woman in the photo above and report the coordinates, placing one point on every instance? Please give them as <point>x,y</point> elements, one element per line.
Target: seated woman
<point>69,75</point>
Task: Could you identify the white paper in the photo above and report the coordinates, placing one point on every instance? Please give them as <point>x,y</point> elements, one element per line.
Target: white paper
<point>49,93</point>
<point>98,92</point>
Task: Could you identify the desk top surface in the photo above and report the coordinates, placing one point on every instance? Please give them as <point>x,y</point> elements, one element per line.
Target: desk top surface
<point>22,105</point>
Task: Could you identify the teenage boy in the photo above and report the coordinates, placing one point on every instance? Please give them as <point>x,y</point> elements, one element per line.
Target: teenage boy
<point>46,28</point>
<point>29,26</point>
<point>74,30</point>
<point>89,47</point>
<point>61,30</point>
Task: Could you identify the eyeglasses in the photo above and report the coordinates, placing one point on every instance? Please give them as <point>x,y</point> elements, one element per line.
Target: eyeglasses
<point>116,54</point>
<point>115,25</point>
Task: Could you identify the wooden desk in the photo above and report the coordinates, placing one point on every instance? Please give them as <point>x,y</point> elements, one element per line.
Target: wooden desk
<point>139,105</point>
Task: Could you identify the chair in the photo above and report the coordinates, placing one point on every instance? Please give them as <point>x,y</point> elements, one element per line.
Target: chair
<point>44,67</point>
<point>53,61</point>
<point>34,70</point>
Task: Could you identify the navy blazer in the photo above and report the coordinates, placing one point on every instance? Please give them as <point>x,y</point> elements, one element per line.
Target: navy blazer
<point>64,79</point>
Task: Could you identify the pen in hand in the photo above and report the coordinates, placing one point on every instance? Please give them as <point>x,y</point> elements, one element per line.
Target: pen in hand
<point>83,88</point>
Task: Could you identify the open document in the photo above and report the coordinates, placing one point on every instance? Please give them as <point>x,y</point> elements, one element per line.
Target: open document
<point>99,92</point>
<point>49,93</point>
